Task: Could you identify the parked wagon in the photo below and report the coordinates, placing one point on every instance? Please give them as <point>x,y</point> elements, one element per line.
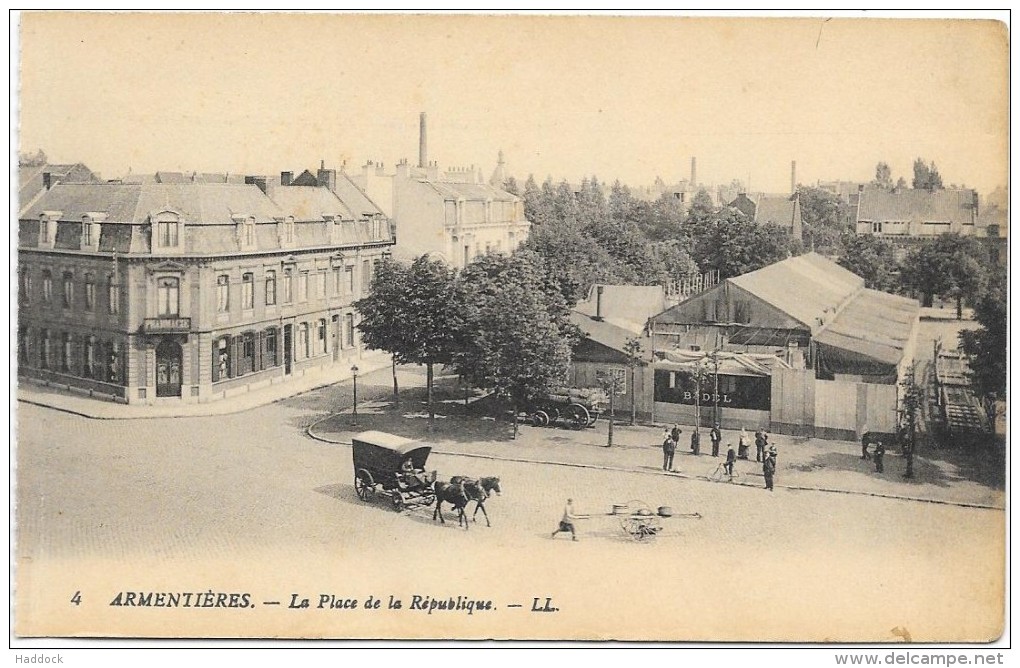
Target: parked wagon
<point>568,407</point>
<point>393,466</point>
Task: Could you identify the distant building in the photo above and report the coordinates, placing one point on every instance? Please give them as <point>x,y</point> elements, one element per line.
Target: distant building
<point>908,214</point>
<point>781,210</point>
<point>453,214</point>
<point>191,292</point>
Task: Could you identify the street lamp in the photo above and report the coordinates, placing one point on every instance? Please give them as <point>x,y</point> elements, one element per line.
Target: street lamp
<point>354,413</point>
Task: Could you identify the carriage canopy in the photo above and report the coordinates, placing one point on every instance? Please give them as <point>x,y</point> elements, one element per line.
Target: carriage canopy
<point>379,451</point>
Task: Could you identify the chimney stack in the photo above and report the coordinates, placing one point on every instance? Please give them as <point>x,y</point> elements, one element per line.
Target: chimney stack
<point>598,301</point>
<point>286,178</point>
<point>694,172</point>
<point>326,178</point>
<point>259,181</point>
<point>423,153</point>
<point>793,176</point>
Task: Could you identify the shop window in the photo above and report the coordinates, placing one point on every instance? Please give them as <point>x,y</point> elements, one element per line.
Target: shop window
<point>222,367</point>
<point>320,346</point>
<point>349,330</point>
<point>66,353</point>
<point>44,348</point>
<point>113,373</point>
<point>89,358</point>
<point>269,358</point>
<point>246,364</point>
<point>302,342</point>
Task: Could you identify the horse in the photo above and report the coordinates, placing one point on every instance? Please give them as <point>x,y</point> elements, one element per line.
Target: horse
<point>457,495</point>
<point>486,487</point>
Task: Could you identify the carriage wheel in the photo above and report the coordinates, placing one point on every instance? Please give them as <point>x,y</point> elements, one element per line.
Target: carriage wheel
<point>579,416</point>
<point>540,419</point>
<point>594,418</point>
<point>364,485</point>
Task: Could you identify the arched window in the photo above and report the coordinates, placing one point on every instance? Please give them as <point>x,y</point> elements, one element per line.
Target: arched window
<point>90,292</point>
<point>68,289</point>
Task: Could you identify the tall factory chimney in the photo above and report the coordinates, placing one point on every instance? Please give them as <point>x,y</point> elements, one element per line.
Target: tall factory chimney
<point>694,171</point>
<point>793,176</point>
<point>423,152</point>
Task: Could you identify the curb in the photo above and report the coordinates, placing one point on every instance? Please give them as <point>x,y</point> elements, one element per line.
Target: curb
<point>309,430</point>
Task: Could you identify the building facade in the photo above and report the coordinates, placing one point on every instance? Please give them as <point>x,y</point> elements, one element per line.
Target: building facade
<point>158,293</point>
<point>452,214</point>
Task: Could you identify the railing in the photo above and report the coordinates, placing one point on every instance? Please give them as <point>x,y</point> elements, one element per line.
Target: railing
<point>166,325</point>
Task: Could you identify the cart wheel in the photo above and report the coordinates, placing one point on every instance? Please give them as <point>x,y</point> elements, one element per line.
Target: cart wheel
<point>594,418</point>
<point>364,485</point>
<point>541,419</point>
<point>579,416</point>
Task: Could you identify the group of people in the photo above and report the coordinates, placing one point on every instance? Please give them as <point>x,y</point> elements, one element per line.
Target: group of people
<point>764,454</point>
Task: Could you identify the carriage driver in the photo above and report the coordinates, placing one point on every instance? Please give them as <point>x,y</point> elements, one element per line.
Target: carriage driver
<point>409,477</point>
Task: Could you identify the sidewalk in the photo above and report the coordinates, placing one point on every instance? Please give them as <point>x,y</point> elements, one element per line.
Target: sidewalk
<point>804,464</point>
<point>371,386</point>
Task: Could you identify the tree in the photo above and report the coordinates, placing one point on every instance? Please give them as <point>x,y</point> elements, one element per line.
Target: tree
<point>872,258</point>
<point>883,176</point>
<point>951,265</point>
<point>535,208</point>
<point>415,313</point>
<point>926,176</point>
<point>727,241</point>
<point>510,185</point>
<point>515,348</point>
<point>824,216</point>
<point>986,346</point>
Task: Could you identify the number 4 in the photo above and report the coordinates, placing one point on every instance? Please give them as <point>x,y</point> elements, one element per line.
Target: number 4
<point>76,599</point>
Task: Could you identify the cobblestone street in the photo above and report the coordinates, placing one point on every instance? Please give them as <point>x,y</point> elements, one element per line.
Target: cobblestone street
<point>250,501</point>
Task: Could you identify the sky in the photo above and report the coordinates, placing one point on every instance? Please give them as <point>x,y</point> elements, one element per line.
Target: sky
<point>627,98</point>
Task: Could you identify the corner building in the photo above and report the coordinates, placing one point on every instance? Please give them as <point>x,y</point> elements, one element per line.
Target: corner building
<point>194,292</point>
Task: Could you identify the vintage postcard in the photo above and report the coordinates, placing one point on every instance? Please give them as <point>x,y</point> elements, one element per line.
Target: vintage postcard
<point>621,328</point>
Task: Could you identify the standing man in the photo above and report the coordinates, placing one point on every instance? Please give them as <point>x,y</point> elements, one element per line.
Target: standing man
<point>864,446</point>
<point>668,450</point>
<point>675,433</point>
<point>716,437</point>
<point>731,458</point>
<point>567,523</point>
<point>768,468</point>
<point>879,455</point>
<point>759,445</point>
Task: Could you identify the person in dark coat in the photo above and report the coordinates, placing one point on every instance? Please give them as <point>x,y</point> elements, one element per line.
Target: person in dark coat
<point>879,455</point>
<point>768,468</point>
<point>864,446</point>
<point>731,458</point>
<point>716,437</point>
<point>675,433</point>
<point>696,442</point>
<point>759,445</point>
<point>668,450</point>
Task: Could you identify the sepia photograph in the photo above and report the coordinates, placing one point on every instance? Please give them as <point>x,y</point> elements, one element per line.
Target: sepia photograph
<point>675,329</point>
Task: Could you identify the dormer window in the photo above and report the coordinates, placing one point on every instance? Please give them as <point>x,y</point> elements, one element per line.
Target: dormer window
<point>166,230</point>
<point>86,231</point>
<point>48,228</point>
<point>167,234</point>
<point>245,230</point>
<point>249,232</point>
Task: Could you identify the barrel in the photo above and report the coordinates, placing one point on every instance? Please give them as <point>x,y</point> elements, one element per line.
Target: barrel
<point>665,511</point>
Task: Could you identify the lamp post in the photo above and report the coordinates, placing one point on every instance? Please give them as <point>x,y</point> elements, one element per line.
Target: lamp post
<point>354,413</point>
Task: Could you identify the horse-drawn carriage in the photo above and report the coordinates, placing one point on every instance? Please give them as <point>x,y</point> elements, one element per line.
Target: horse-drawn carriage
<point>393,466</point>
<point>568,407</point>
